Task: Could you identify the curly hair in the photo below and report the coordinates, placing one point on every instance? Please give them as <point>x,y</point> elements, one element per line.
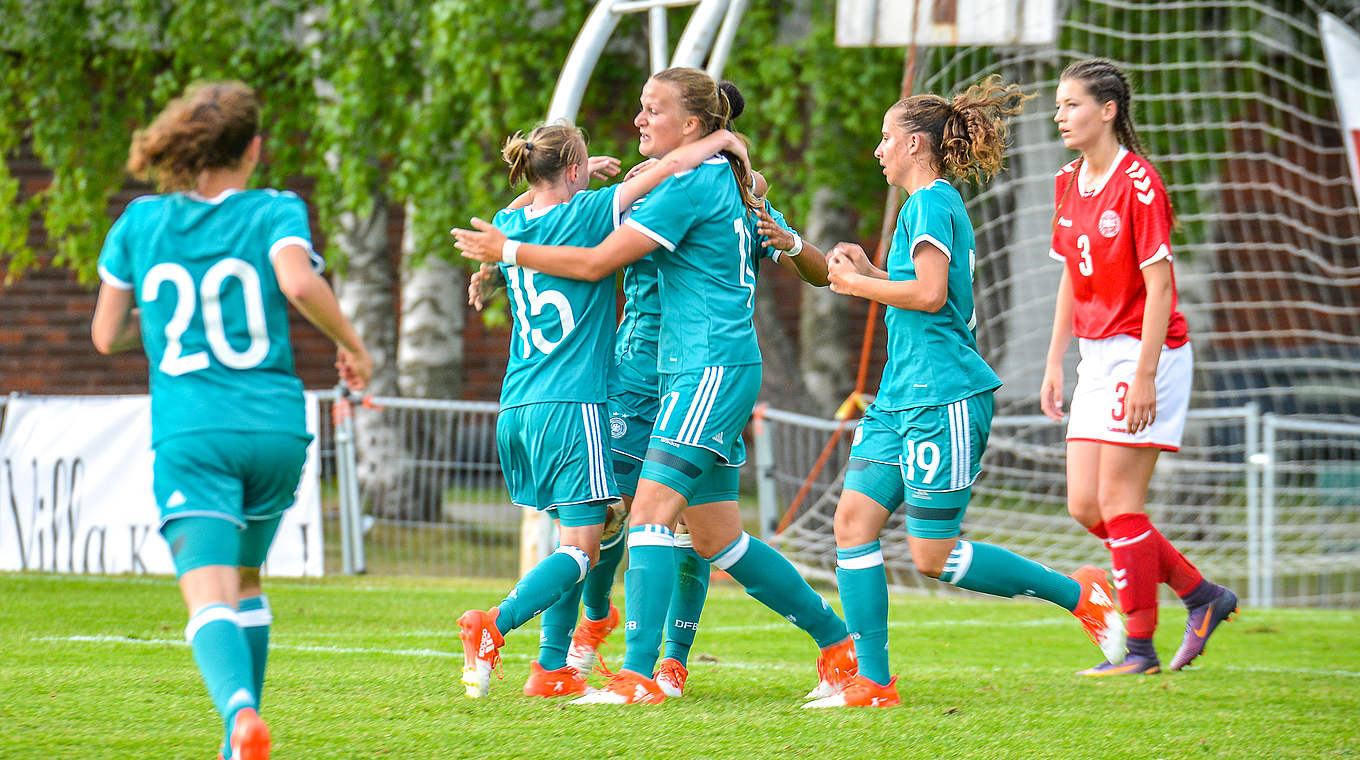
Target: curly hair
<point>208,127</point>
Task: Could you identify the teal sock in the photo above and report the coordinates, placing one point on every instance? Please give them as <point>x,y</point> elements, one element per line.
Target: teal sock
<point>599,583</point>
<point>687,602</point>
<point>554,636</point>
<point>542,586</point>
<point>646,593</point>
<point>255,617</point>
<point>223,658</point>
<point>775,583</point>
<point>989,569</point>
<point>864,594</point>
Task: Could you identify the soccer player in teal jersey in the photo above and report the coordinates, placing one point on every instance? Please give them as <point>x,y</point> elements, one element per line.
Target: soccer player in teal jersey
<point>200,277</point>
<point>709,362</point>
<point>921,441</point>
<point>551,429</point>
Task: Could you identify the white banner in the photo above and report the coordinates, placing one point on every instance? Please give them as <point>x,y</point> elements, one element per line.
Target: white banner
<point>1341,45</point>
<point>75,491</point>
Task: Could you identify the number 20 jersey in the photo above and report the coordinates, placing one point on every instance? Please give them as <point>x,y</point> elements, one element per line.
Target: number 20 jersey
<point>563,332</point>
<point>214,323</point>
<point>1106,236</point>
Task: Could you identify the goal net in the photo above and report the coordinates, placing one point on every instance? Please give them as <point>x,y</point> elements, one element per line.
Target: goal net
<point>1234,105</point>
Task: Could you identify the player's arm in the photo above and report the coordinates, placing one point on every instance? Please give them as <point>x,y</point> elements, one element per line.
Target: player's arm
<point>116,326</point>
<point>1141,401</point>
<point>799,256</point>
<point>312,296</point>
<point>1051,389</point>
<point>488,245</point>
<point>684,158</point>
<point>928,292</point>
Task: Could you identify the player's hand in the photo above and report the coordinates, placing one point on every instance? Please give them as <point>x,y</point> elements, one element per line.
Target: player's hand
<point>482,284</point>
<point>775,236</point>
<point>1140,404</point>
<point>728,141</point>
<point>841,272</point>
<point>640,168</point>
<point>356,368</point>
<point>856,256</point>
<point>603,167</point>
<point>481,244</point>
<point>1051,394</point>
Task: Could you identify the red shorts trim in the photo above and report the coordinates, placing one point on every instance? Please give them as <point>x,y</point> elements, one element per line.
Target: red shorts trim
<point>1163,447</point>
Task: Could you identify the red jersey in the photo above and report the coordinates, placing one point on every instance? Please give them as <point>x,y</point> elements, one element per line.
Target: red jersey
<point>1106,237</point>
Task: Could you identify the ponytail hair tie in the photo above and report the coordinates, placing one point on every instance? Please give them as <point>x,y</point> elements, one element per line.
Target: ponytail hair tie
<point>528,146</point>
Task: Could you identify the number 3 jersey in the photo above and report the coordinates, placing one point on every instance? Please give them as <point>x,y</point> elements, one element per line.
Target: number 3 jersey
<point>214,323</point>
<point>1106,233</point>
<point>563,331</point>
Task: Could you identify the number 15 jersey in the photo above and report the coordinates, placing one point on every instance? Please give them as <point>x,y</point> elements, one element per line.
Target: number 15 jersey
<point>563,331</point>
<point>214,323</point>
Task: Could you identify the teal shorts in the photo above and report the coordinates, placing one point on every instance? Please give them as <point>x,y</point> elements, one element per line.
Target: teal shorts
<point>228,475</point>
<point>202,541</point>
<point>631,418</point>
<point>222,494</point>
<point>553,457</point>
<point>696,445</point>
<point>927,458</point>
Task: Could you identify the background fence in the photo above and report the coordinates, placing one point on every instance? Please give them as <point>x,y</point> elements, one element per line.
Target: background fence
<point>1269,505</point>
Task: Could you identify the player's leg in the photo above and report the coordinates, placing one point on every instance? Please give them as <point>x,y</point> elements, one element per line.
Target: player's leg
<point>553,458</point>
<point>200,498</point>
<point>631,418</point>
<point>682,619</point>
<point>872,490</point>
<point>267,491</point>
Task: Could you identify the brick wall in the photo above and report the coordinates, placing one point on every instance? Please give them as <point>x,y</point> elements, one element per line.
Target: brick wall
<point>45,324</point>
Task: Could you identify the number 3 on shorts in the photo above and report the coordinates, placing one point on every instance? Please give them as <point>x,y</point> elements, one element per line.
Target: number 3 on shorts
<point>925,455</point>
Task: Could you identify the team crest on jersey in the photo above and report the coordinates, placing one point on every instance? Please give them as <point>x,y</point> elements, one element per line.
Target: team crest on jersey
<point>617,427</point>
<point>1109,223</point>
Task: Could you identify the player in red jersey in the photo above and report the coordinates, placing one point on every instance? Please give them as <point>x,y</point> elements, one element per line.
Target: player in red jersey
<point>1111,228</point>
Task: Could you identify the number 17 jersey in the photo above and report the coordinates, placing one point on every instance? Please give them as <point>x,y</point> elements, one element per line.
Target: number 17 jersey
<point>214,323</point>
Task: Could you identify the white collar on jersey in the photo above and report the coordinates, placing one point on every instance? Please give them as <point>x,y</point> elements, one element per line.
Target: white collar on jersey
<point>215,200</point>
<point>1087,186</point>
<point>530,213</point>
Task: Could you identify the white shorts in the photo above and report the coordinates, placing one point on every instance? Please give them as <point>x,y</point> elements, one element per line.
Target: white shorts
<point>1107,367</point>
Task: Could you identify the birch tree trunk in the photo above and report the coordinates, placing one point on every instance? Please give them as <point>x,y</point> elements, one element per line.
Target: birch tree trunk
<point>430,364</point>
<point>365,295</point>
<point>826,357</point>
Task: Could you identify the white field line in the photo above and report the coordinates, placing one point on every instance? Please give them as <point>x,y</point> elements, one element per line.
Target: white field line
<point>736,665</point>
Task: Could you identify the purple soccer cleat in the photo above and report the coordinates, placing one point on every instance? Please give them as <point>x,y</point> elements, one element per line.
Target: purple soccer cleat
<point>1133,664</point>
<point>1201,624</point>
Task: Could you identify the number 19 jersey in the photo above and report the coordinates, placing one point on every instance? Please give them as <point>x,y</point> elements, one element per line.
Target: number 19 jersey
<point>214,323</point>
<point>563,328</point>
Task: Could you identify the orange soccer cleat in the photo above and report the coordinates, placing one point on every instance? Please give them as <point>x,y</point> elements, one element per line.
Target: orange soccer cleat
<point>482,643</point>
<point>625,688</point>
<point>1098,614</point>
<point>670,676</point>
<point>837,666</point>
<point>590,634</point>
<point>862,693</point>
<point>250,736</point>
<point>563,682</point>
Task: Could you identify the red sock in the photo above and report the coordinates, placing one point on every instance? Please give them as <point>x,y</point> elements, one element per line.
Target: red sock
<point>1099,531</point>
<point>1135,555</point>
<point>1176,571</point>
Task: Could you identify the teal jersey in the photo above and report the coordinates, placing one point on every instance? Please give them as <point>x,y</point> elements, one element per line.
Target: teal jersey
<point>559,344</point>
<point>635,342</point>
<point>214,322</point>
<point>933,359</point>
<point>707,279</point>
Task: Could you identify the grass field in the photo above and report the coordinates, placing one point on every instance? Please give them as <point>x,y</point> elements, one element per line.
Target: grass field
<point>96,667</point>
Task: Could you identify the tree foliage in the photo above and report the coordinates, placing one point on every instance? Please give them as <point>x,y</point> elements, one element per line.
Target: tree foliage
<point>392,100</point>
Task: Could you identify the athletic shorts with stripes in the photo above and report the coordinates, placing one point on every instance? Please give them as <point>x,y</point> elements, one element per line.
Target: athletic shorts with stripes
<point>222,494</point>
<point>926,457</point>
<point>631,419</point>
<point>554,458</point>
<point>696,446</point>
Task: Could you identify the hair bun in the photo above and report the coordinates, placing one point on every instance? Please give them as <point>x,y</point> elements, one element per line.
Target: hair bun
<point>734,100</point>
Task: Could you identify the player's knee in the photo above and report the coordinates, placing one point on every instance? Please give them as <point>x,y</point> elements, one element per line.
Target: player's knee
<point>930,567</point>
<point>250,580</point>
